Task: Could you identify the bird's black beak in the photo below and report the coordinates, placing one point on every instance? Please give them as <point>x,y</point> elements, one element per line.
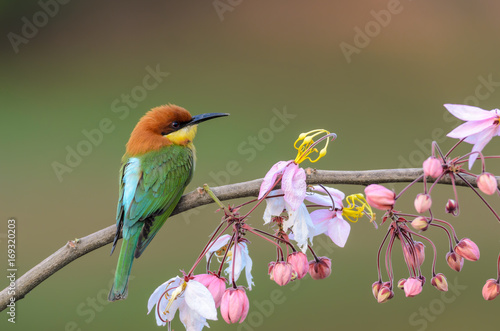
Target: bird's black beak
<point>205,117</point>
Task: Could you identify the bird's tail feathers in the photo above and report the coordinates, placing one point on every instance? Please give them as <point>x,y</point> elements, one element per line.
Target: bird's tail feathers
<point>119,290</point>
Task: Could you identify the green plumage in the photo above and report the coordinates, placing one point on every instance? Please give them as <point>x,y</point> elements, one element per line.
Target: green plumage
<point>148,195</point>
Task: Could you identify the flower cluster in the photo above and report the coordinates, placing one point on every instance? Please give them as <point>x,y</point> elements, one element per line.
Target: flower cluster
<point>296,213</point>
<point>481,126</point>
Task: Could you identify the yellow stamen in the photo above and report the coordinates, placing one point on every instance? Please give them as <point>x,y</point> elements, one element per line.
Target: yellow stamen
<point>222,251</point>
<point>353,212</point>
<point>175,295</point>
<point>307,146</point>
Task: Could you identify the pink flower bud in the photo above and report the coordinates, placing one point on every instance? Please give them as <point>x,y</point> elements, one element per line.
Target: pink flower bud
<point>376,288</point>
<point>412,287</point>
<point>320,269</point>
<point>414,257</point>
<point>439,281</point>
<point>467,249</point>
<point>455,261</point>
<point>282,273</point>
<point>299,262</point>
<point>491,289</point>
<point>270,268</point>
<point>420,251</point>
<point>487,183</point>
<point>384,294</point>
<point>234,305</point>
<point>401,283</point>
<point>420,223</point>
<point>214,284</point>
<point>379,197</point>
<point>451,207</point>
<point>432,167</point>
<point>423,203</point>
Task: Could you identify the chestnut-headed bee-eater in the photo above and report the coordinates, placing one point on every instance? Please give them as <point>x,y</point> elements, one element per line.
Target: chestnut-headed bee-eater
<point>157,166</point>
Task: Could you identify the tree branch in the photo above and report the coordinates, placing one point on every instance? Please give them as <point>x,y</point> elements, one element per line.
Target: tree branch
<point>73,250</point>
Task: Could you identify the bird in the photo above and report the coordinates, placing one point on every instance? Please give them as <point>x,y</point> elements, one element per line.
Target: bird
<point>156,168</point>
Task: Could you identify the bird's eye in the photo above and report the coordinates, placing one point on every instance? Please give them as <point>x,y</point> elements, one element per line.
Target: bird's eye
<point>175,125</point>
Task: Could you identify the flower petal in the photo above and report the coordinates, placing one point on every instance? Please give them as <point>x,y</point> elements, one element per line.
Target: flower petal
<point>199,299</point>
<point>191,319</point>
<point>303,228</point>
<point>158,295</point>
<point>294,185</point>
<point>336,194</point>
<point>338,231</point>
<point>471,128</point>
<point>248,268</point>
<point>274,206</point>
<point>270,177</point>
<point>243,260</point>
<point>153,299</point>
<point>219,243</point>
<point>321,218</point>
<point>238,260</point>
<point>481,139</point>
<point>319,199</point>
<point>469,113</point>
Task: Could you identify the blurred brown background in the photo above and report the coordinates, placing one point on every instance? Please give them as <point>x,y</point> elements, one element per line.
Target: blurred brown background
<point>375,72</point>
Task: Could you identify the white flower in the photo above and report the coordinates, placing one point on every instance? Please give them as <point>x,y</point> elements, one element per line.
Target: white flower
<point>242,258</point>
<point>193,300</point>
<point>298,220</point>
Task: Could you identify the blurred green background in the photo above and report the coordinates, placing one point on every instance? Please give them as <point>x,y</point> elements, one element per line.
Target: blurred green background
<point>253,59</point>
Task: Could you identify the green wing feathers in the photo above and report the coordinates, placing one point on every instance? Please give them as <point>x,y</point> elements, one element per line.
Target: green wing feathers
<point>146,200</point>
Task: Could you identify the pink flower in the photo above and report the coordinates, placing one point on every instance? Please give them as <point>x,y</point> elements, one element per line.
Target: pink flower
<point>385,293</point>
<point>439,281</point>
<point>216,286</point>
<point>234,306</point>
<point>401,283</point>
<point>467,249</point>
<point>412,287</point>
<point>379,197</point>
<point>455,261</point>
<point>282,273</point>
<point>487,183</point>
<point>376,286</point>
<point>420,223</point>
<point>423,203</point>
<point>329,221</point>
<point>415,254</point>
<point>299,262</point>
<point>491,289</point>
<point>293,182</point>
<point>320,269</point>
<point>332,224</point>
<point>451,207</point>
<point>481,126</point>
<point>432,167</point>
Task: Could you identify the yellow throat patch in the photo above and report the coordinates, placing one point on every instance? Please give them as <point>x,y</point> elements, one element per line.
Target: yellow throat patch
<point>183,136</point>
